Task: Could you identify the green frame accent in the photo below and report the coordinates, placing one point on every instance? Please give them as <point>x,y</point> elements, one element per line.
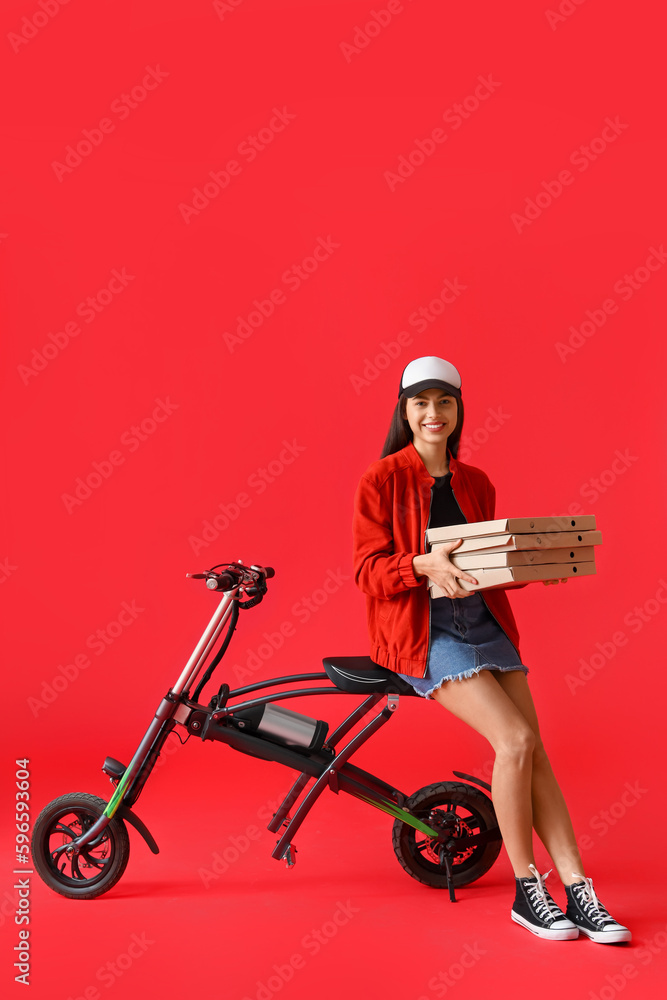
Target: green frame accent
<point>115,800</point>
<point>393,810</point>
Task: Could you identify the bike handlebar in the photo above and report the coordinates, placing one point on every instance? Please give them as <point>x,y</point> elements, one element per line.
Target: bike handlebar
<point>234,575</point>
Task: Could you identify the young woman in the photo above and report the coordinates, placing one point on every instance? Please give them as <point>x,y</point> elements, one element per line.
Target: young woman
<point>462,650</point>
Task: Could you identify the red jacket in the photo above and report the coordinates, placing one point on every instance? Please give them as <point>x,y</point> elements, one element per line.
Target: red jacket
<point>391,511</point>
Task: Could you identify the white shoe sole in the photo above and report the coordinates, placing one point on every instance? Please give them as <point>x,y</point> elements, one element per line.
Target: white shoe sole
<point>608,937</point>
<point>560,934</point>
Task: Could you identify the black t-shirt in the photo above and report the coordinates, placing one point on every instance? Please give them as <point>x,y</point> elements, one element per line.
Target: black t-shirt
<point>444,508</point>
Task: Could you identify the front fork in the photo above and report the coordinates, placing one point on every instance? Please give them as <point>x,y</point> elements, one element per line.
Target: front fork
<point>165,712</point>
<point>93,836</point>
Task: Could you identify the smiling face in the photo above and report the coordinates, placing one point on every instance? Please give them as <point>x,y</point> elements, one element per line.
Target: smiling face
<point>432,416</point>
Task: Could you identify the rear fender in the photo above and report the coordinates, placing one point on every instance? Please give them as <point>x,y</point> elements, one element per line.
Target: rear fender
<point>469,777</point>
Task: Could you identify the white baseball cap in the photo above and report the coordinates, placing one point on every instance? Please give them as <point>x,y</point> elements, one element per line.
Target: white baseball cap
<point>430,373</point>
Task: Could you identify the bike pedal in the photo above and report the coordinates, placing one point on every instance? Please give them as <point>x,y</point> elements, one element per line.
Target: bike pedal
<point>290,856</point>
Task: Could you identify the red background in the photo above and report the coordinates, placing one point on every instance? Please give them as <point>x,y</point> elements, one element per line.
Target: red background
<point>321,372</point>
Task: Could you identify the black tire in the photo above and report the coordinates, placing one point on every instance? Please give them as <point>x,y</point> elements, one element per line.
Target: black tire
<point>474,814</point>
<point>91,873</point>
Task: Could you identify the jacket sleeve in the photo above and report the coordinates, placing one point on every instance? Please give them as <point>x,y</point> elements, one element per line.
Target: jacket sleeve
<point>379,571</point>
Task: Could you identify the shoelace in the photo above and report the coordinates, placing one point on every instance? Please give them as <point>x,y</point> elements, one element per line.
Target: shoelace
<point>589,901</point>
<point>545,907</point>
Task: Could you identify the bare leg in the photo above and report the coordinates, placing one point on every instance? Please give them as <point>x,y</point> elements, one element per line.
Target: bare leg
<point>551,818</point>
<point>483,704</point>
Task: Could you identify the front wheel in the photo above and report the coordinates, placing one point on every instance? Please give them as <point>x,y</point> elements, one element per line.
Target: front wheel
<point>463,811</point>
<point>94,870</point>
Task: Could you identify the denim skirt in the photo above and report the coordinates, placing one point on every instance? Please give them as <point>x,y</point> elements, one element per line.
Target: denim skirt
<point>465,638</point>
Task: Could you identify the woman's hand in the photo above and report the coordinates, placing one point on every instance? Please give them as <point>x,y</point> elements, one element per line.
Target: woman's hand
<point>546,582</point>
<point>436,565</point>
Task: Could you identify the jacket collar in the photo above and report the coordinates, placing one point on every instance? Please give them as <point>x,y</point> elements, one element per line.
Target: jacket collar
<point>416,461</point>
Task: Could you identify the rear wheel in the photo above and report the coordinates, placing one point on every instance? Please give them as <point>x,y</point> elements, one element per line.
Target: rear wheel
<point>463,811</point>
<point>92,871</point>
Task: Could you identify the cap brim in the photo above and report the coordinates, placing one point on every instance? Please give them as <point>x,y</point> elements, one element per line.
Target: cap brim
<point>417,387</point>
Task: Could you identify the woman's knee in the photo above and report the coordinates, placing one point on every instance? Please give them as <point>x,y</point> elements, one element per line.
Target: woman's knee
<point>517,743</point>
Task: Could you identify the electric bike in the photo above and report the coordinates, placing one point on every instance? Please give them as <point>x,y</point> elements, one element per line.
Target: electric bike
<point>445,835</point>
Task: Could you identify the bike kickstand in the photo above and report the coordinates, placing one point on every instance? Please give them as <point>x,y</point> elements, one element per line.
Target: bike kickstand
<point>289,856</point>
<point>444,856</point>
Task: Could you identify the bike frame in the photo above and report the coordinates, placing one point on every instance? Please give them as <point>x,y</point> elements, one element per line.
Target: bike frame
<point>328,767</point>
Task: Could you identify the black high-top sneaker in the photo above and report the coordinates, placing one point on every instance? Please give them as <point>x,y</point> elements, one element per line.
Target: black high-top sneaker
<point>590,916</point>
<point>535,910</point>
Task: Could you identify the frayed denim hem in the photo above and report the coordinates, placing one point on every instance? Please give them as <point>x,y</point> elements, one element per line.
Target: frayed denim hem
<point>464,674</point>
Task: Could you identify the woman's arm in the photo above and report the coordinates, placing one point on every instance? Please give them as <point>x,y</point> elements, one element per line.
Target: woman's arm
<point>379,570</point>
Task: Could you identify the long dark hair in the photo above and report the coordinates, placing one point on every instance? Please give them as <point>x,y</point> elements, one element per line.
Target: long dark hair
<point>400,432</point>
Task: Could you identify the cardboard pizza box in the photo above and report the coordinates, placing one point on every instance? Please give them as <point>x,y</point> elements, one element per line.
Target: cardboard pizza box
<point>513,526</point>
<point>483,559</point>
<point>514,575</point>
<point>512,542</point>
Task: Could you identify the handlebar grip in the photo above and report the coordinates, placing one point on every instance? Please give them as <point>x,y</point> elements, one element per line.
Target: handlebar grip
<point>221,581</point>
<point>268,571</point>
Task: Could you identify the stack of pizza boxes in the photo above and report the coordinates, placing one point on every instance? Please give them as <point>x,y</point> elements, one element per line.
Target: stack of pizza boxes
<point>517,550</point>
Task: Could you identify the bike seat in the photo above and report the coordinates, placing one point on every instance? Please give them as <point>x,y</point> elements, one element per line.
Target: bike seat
<point>359,675</point>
